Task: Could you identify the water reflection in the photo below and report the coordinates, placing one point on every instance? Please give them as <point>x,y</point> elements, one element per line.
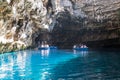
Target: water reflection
<point>44,72</point>
<point>58,65</point>
<point>6,66</point>
<point>33,64</point>
<point>12,65</point>
<point>82,53</point>
<point>21,63</point>
<point>45,53</point>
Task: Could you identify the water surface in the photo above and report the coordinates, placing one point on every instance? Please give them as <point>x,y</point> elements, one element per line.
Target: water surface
<point>60,65</point>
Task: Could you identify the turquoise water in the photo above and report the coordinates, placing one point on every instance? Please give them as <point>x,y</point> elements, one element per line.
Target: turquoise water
<point>60,65</point>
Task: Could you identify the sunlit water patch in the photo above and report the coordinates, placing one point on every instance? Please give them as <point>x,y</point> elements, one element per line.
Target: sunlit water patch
<point>59,65</point>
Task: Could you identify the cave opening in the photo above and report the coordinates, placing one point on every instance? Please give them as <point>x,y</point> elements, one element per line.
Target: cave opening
<point>43,37</point>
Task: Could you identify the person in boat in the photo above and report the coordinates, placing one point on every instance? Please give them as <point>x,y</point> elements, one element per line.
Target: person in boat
<point>80,46</point>
<point>46,45</point>
<point>42,45</point>
<point>74,46</point>
<point>84,46</point>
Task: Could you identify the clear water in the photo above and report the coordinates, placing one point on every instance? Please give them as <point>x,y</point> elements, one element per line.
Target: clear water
<point>60,65</point>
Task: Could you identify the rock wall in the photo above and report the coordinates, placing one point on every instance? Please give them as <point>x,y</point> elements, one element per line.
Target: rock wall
<point>20,22</point>
<point>92,22</point>
<point>23,23</point>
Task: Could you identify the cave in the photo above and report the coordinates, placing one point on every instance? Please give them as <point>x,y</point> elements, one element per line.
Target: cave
<point>104,44</point>
<point>43,36</point>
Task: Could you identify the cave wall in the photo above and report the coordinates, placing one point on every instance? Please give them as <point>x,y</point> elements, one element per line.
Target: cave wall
<point>21,21</point>
<point>68,21</point>
<point>91,22</point>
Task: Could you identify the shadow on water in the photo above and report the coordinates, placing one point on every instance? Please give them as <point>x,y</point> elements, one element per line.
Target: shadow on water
<point>95,66</point>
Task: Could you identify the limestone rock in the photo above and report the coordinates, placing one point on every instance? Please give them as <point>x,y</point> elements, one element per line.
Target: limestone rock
<point>22,21</point>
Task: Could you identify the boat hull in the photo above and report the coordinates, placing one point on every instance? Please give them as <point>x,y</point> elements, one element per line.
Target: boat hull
<point>43,48</point>
<point>46,48</point>
<point>53,47</point>
<point>81,49</point>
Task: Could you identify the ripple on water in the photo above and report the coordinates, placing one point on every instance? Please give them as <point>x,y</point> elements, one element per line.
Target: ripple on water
<point>60,65</point>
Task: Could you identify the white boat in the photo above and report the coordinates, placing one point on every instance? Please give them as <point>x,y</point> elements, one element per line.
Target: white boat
<point>81,48</point>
